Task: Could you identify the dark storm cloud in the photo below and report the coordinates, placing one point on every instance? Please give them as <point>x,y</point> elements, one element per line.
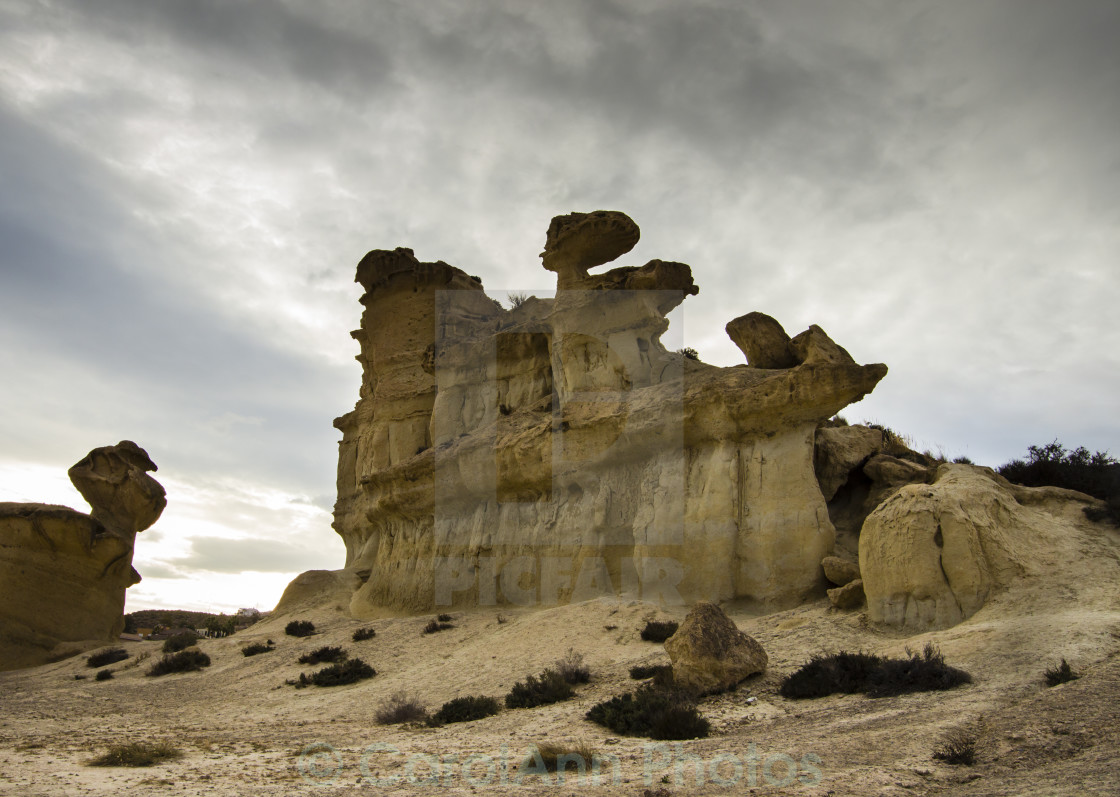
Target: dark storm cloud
<point>165,361</point>
<point>261,39</point>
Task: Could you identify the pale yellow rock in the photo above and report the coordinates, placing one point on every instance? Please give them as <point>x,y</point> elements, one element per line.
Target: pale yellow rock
<point>840,450</point>
<point>839,571</point>
<point>762,340</point>
<point>557,452</point>
<point>933,554</point>
<point>64,573</point>
<point>710,654</point>
<point>849,596</point>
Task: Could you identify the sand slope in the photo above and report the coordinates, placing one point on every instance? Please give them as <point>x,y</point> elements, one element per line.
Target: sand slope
<point>243,732</point>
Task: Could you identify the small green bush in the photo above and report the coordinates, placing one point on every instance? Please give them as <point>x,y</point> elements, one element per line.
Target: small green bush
<point>1060,674</point>
<point>323,655</point>
<point>136,754</point>
<point>300,628</point>
<point>640,672</point>
<point>105,657</point>
<point>658,630</point>
<point>399,708</point>
<point>183,661</point>
<point>435,626</point>
<point>180,641</point>
<point>654,712</point>
<point>257,647</point>
<point>550,687</point>
<point>362,634</point>
<point>465,709</point>
<point>103,675</point>
<point>347,672</point>
<point>572,669</point>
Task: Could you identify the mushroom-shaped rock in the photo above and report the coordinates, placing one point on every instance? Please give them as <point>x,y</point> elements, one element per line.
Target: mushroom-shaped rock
<point>580,241</point>
<point>114,481</point>
<point>762,340</point>
<point>710,654</point>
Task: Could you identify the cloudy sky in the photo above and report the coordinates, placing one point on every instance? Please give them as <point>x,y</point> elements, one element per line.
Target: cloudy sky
<point>186,187</point>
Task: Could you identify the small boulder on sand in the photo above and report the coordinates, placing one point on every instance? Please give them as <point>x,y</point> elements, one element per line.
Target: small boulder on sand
<point>710,654</point>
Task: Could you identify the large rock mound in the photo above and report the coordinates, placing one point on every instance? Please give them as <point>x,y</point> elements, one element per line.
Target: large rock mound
<point>932,555</point>
<point>558,452</point>
<point>64,573</point>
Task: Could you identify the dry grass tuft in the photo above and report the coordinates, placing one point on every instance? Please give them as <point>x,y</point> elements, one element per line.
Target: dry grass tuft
<point>137,754</point>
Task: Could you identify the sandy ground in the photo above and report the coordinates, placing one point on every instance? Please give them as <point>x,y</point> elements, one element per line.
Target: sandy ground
<point>243,732</point>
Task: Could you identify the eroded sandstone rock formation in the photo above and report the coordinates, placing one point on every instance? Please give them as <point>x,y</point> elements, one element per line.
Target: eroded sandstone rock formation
<point>63,574</point>
<point>557,451</point>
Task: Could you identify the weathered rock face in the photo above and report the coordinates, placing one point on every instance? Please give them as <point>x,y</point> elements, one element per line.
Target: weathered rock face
<point>710,654</point>
<point>64,573</point>
<point>558,452</point>
<point>932,554</point>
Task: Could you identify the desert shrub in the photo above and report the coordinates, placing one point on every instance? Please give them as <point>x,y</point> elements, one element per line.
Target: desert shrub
<point>572,669</point>
<point>362,634</point>
<point>444,618</point>
<point>401,707</point>
<point>963,461</point>
<point>435,625</point>
<point>549,687</point>
<point>849,673</point>
<point>551,757</point>
<point>1061,674</point>
<point>323,655</point>
<point>658,630</point>
<point>105,657</point>
<point>1054,465</point>
<point>300,628</point>
<point>465,709</point>
<point>180,641</point>
<point>653,712</point>
<point>103,675</point>
<point>137,661</point>
<point>79,677</point>
<point>517,299</point>
<point>640,672</point>
<point>958,747</point>
<point>824,675</point>
<point>183,661</point>
<point>347,672</point>
<point>137,754</point>
<point>689,353</point>
<point>924,672</point>
<point>257,647</point>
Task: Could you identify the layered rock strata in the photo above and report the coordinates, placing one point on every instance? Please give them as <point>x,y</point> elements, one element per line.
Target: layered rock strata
<point>63,573</point>
<point>557,451</point>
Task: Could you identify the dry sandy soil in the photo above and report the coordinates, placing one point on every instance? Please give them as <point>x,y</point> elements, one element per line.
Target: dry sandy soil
<point>243,732</point>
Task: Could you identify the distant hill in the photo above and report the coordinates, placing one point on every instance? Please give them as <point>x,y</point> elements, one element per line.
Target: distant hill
<point>170,618</point>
